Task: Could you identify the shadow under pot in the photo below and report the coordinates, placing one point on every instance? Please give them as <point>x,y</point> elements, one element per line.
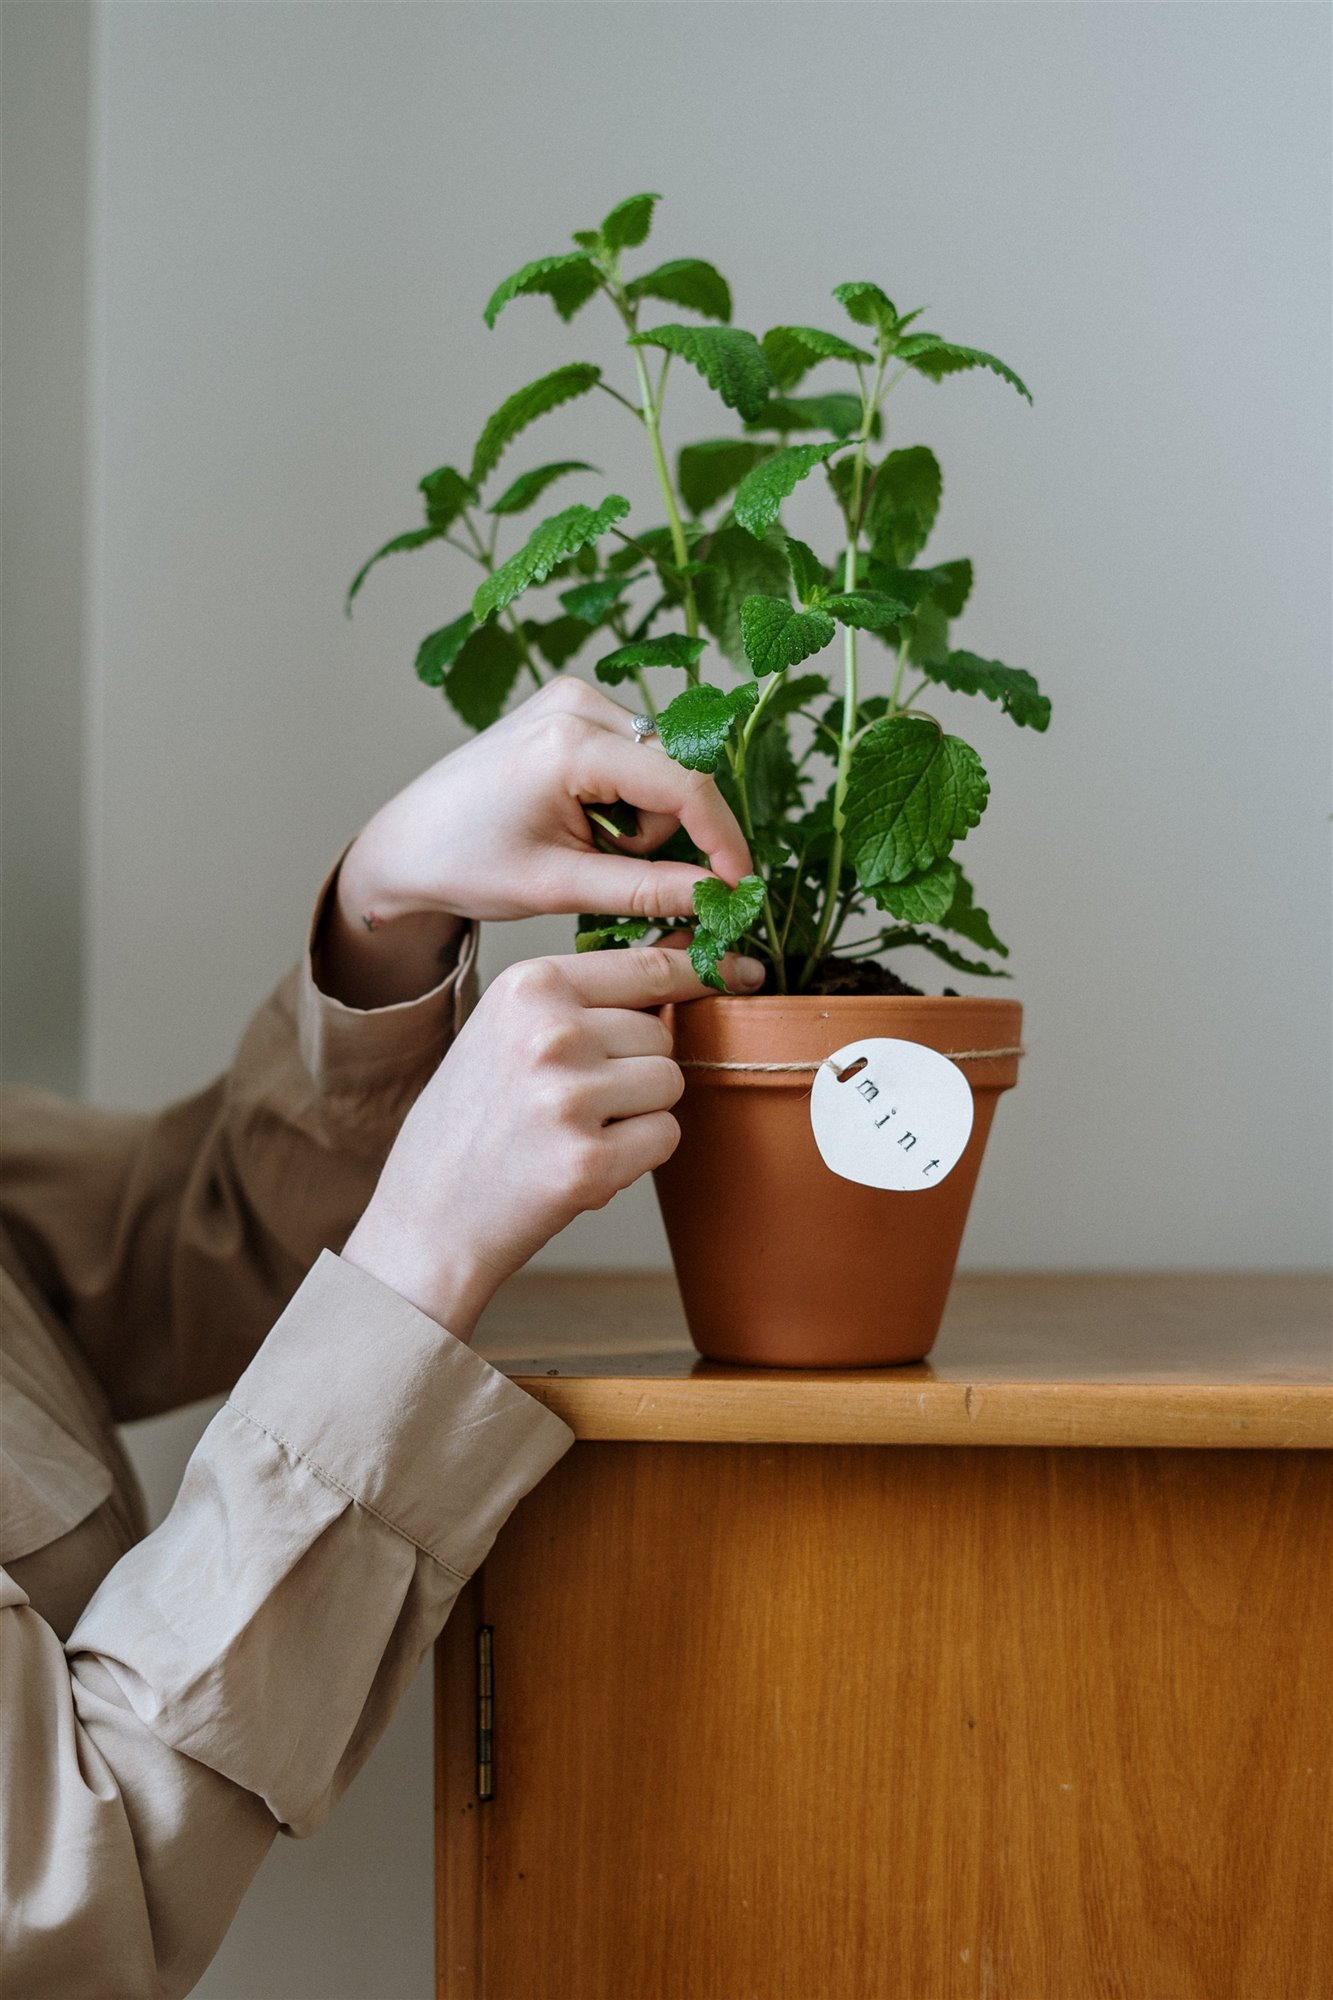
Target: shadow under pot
<point>781,1262</point>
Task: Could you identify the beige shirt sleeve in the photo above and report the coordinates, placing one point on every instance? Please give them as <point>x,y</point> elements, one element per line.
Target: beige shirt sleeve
<point>230,1673</point>
<point>233,1671</point>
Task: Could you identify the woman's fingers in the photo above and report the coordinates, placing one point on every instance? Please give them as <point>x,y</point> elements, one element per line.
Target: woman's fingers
<point>644,978</point>
<point>629,887</point>
<point>629,1088</point>
<point>637,1145</point>
<point>612,766</point>
<point>618,1031</point>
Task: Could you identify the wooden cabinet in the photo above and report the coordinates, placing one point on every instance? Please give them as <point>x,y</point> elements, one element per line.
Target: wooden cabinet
<point>1004,1677</point>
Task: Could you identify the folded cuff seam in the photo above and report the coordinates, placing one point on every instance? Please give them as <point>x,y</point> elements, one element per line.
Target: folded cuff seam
<point>338,1486</point>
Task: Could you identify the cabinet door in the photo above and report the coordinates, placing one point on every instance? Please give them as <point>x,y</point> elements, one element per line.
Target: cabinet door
<point>870,1723</point>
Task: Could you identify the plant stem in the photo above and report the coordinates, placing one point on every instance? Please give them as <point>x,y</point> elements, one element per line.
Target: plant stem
<point>869,406</point>
<point>674,522</point>
<point>644,696</point>
<point>737,759</point>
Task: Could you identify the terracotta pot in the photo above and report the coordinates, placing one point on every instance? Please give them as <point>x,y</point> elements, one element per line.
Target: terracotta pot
<point>781,1262</point>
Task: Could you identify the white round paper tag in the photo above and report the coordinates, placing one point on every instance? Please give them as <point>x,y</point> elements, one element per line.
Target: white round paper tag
<point>901,1121</point>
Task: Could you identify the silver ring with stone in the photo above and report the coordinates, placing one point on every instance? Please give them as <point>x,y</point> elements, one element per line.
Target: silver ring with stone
<point>643,727</point>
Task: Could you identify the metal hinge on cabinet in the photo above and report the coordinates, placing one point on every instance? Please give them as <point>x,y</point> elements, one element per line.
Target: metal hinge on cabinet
<point>485,1713</point>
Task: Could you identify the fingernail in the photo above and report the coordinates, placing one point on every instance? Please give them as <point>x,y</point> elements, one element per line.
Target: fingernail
<point>749,973</point>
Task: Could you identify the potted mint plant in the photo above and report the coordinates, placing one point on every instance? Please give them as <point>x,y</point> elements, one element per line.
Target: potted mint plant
<point>807,682</point>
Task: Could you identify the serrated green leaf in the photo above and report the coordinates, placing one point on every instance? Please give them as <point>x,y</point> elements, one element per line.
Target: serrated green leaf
<point>923,898</point>
<point>793,350</point>
<point>952,585</point>
<point>557,639</point>
<point>576,378</point>
<point>483,674</point>
<point>627,226</point>
<point>592,601</point>
<point>439,650</point>
<point>807,571</point>
<point>927,634</point>
<point>446,494</point>
<point>911,792</point>
<point>868,306</point>
<point>730,361</point>
<point>668,649</point>
<point>965,916</point>
<point>737,567</point>
<point>935,358</point>
<point>528,488</point>
<point>415,538</point>
<point>909,935</point>
<point>707,472</point>
<point>867,610</point>
<point>557,538</point>
<point>777,637</point>
<point>568,280</point>
<point>903,502</point>
<point>705,951</point>
<point>695,726</point>
<point>1013,687</point>
<point>838,412</point>
<point>686,281</point>
<point>587,239</point>
<point>605,934</point>
<point>772,782</point>
<point>728,913</point>
<point>760,495</point>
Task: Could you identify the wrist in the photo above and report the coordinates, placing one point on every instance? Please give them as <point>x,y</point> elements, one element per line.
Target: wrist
<point>371,951</point>
<point>445,1280</point>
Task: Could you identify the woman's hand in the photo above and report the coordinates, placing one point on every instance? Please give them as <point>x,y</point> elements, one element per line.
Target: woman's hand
<point>498,829</point>
<point>556,1094</point>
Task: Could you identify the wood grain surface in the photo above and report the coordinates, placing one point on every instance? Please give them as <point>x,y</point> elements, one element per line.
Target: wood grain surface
<point>1213,1361</point>
<point>811,1723</point>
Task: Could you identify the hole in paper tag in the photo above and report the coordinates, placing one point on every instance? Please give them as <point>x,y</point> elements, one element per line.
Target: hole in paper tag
<point>891,1114</point>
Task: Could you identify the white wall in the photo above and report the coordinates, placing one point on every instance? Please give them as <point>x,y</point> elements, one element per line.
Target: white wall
<point>300,210</point>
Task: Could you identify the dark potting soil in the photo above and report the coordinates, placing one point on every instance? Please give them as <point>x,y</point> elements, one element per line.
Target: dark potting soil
<point>853,977</point>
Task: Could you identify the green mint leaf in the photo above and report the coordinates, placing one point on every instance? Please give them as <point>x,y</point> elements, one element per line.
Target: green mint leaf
<point>686,281</point>
<point>867,610</point>
<point>439,650</point>
<point>587,239</point>
<point>415,538</point>
<point>927,635</point>
<point>669,649</point>
<point>965,916</point>
<point>793,350</point>
<point>528,488</point>
<point>904,500</point>
<point>561,536</point>
<point>705,951</point>
<point>557,639</point>
<point>772,782</point>
<point>592,601</point>
<point>606,933</point>
<point>777,637</point>
<point>911,792</point>
<point>482,676</point>
<point>807,571</point>
<point>868,306</point>
<point>838,412</point>
<point>707,472</point>
<point>446,494</point>
<point>568,280</point>
<point>726,914</point>
<point>933,357</point>
<point>952,585</point>
<point>524,407</point>
<point>928,942</point>
<point>737,567</point>
<point>760,495</point>
<point>627,226</point>
<point>730,361</point>
<point>694,727</point>
<point>1013,687</point>
<point>922,898</point>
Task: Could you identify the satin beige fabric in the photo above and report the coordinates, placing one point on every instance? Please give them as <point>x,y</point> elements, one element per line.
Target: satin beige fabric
<point>168,1704</point>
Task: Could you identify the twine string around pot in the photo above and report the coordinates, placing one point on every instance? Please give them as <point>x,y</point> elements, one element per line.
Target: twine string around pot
<point>812,1068</point>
